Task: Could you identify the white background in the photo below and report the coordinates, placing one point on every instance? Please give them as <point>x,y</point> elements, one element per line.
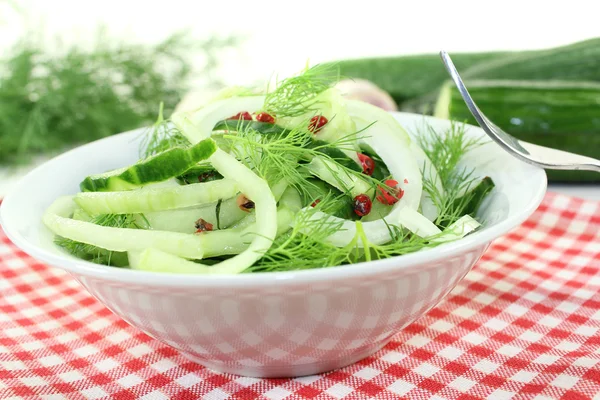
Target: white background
<point>282,35</point>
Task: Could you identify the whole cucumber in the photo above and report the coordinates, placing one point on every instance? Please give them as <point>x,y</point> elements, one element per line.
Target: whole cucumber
<point>408,77</point>
<point>559,114</point>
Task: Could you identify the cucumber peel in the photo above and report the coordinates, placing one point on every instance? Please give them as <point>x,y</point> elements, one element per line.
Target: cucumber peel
<point>157,168</point>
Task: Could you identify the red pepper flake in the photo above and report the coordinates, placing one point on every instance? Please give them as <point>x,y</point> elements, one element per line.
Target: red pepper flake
<point>244,203</point>
<point>316,123</point>
<point>405,180</point>
<point>245,115</point>
<point>314,203</point>
<point>391,197</point>
<point>203,226</point>
<point>362,205</point>
<point>368,165</point>
<point>264,117</point>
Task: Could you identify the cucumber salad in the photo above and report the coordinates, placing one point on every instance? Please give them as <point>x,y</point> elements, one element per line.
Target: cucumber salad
<point>292,177</point>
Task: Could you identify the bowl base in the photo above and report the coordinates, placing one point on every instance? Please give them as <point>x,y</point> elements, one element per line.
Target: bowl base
<point>287,370</point>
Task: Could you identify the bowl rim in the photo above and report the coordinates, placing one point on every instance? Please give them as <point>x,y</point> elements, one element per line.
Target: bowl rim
<point>160,279</point>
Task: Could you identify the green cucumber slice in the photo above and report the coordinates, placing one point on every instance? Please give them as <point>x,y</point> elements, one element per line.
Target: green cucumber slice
<point>471,201</point>
<point>459,229</point>
<point>340,205</point>
<point>160,167</point>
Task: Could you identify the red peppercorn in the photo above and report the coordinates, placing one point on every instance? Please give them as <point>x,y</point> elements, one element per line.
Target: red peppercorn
<point>316,123</point>
<point>264,117</point>
<point>244,203</point>
<point>203,226</point>
<point>392,197</point>
<point>362,205</point>
<point>245,115</point>
<point>368,165</point>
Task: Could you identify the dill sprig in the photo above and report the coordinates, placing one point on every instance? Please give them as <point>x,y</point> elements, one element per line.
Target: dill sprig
<point>306,246</point>
<point>97,254</point>
<point>161,136</point>
<point>296,96</point>
<point>445,150</point>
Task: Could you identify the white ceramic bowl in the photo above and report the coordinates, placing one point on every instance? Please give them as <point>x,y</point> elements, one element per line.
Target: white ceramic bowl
<point>272,324</point>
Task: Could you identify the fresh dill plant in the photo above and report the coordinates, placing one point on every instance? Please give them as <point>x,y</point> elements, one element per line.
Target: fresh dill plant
<point>296,96</point>
<point>99,255</point>
<point>52,101</point>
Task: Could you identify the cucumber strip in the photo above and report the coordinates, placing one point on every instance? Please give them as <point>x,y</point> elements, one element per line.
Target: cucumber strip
<point>462,227</point>
<point>347,158</point>
<point>198,125</point>
<point>118,239</point>
<point>475,196</point>
<point>339,204</point>
<point>218,243</point>
<point>378,211</point>
<point>156,199</point>
<point>337,177</point>
<point>81,215</point>
<point>378,231</point>
<point>160,167</point>
<point>279,189</point>
<point>257,190</point>
<point>183,220</point>
<point>236,239</point>
<point>289,205</point>
<point>154,260</point>
<point>388,139</point>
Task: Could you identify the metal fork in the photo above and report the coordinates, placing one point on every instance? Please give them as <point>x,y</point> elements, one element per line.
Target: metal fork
<point>543,157</point>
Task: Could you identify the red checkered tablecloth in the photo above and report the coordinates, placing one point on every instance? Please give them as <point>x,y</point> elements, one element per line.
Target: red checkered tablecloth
<point>524,323</point>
